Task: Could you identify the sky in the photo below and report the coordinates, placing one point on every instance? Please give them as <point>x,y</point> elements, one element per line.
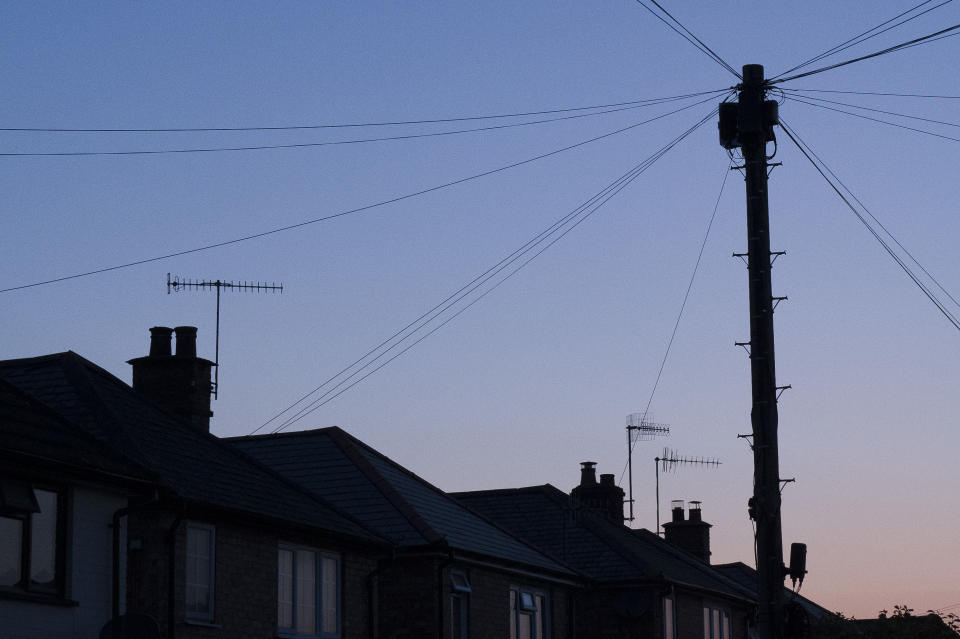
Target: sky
<point>540,373</point>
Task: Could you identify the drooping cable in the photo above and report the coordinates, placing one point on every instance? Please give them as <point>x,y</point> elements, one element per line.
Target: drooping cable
<point>359,209</point>
<point>873,119</point>
<point>687,35</point>
<point>903,45</point>
<point>305,145</point>
<point>683,305</point>
<point>793,95</point>
<point>879,93</point>
<point>832,179</point>
<point>357,124</point>
<point>536,246</point>
<point>866,35</point>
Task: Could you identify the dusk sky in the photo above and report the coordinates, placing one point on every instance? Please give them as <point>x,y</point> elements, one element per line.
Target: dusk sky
<point>540,373</point>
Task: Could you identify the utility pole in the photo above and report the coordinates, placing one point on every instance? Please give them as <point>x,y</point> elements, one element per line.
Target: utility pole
<point>748,124</point>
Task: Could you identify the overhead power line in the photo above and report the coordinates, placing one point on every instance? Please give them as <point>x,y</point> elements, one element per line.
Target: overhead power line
<point>683,305</point>
<point>879,93</point>
<point>376,358</point>
<point>303,127</point>
<point>866,35</point>
<point>687,35</point>
<point>879,120</point>
<point>303,145</point>
<point>898,47</point>
<point>793,95</point>
<point>359,209</point>
<point>836,184</point>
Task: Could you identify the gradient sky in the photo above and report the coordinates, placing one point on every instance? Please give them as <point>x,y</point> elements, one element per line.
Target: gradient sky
<point>541,373</point>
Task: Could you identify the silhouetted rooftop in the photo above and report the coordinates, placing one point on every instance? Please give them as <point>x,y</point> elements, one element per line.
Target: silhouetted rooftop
<point>554,523</point>
<point>194,465</point>
<point>387,497</point>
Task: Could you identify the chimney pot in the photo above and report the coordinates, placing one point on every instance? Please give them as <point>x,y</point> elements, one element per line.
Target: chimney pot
<point>186,341</point>
<point>676,507</point>
<point>588,473</point>
<point>160,341</point>
<point>695,512</point>
<point>606,480</point>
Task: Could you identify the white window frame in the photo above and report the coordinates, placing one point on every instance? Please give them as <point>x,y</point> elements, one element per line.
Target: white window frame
<point>318,594</point>
<point>459,604</point>
<point>529,605</point>
<point>27,517</point>
<point>716,623</point>
<point>669,608</point>
<point>200,615</point>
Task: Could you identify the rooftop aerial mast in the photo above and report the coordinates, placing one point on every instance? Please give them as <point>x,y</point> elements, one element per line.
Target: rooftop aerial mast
<point>180,284</point>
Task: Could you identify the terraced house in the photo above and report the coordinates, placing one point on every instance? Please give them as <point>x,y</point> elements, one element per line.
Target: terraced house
<point>121,515</point>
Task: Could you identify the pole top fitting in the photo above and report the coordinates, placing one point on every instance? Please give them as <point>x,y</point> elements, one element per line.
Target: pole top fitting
<point>753,74</point>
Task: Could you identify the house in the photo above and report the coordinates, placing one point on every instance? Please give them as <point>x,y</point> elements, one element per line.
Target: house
<point>62,565</point>
<point>639,584</point>
<point>121,515</point>
<point>452,573</point>
<point>217,545</point>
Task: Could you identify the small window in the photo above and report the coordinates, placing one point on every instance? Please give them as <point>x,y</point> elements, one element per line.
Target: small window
<point>32,541</point>
<point>200,575</point>
<point>459,581</point>
<point>308,593</point>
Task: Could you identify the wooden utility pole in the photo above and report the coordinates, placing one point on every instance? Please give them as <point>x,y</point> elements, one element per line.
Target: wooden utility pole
<point>752,120</point>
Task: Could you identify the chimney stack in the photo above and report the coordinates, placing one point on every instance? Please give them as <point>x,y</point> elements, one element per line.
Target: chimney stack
<point>180,382</point>
<point>691,535</point>
<point>605,497</point>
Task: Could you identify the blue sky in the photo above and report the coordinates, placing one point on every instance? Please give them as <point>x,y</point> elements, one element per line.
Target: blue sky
<point>539,374</point>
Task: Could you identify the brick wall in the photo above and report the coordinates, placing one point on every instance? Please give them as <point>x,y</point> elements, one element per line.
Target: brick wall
<point>414,600</point>
<point>245,588</point>
<point>620,613</point>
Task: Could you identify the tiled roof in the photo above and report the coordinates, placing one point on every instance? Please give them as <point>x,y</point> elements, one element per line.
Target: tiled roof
<point>195,465</point>
<point>550,520</point>
<point>34,432</point>
<point>387,497</point>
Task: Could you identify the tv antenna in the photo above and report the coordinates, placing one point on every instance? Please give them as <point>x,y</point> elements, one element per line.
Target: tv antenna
<point>180,284</point>
<point>640,427</point>
<point>670,462</point>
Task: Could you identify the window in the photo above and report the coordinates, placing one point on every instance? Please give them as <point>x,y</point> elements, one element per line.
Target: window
<point>669,621</point>
<point>528,614</point>
<point>308,592</point>
<point>201,542</point>
<point>32,539</point>
<point>716,623</point>
<point>459,591</point>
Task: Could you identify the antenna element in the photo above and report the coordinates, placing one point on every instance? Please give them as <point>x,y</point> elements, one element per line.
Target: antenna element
<point>180,284</point>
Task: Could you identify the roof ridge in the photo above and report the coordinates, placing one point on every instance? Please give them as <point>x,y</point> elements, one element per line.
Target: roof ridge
<point>348,445</point>
<point>696,563</point>
<point>250,459</point>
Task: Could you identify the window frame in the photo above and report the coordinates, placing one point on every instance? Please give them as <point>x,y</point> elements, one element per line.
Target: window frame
<point>459,604</point>
<point>26,584</point>
<point>537,615</point>
<point>204,616</point>
<point>716,622</point>
<point>318,592</point>
<point>669,610</point>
